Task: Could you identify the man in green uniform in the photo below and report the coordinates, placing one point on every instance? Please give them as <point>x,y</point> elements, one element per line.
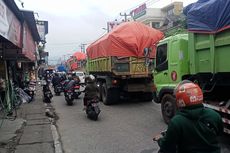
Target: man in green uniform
<point>194,129</point>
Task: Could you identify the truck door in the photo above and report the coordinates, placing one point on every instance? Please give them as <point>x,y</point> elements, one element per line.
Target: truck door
<point>162,77</point>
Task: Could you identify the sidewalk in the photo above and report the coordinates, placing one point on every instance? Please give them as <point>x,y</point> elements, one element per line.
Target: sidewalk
<point>32,131</point>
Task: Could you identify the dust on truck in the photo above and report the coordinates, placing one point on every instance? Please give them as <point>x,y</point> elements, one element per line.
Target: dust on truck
<point>202,56</point>
<point>120,61</point>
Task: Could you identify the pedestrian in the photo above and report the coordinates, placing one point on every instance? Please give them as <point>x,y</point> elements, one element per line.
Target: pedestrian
<point>194,129</point>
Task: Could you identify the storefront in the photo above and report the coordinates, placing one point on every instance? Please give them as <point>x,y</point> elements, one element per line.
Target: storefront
<point>18,37</point>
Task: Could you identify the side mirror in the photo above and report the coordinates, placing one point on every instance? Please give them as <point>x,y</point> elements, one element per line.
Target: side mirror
<point>146,52</point>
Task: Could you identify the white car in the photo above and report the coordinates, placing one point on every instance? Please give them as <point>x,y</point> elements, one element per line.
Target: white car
<point>81,76</point>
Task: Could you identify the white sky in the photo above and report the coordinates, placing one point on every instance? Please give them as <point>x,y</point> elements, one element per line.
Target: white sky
<point>72,22</point>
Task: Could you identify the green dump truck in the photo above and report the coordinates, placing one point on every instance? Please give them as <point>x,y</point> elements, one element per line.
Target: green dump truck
<point>120,61</point>
<point>201,58</point>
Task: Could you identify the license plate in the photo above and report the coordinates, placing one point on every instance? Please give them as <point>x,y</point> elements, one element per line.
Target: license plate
<point>94,104</point>
<point>76,90</point>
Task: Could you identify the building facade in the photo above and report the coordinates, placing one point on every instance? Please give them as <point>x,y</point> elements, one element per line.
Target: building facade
<point>160,18</point>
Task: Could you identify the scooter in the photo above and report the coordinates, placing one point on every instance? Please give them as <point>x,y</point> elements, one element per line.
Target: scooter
<point>156,138</point>
<point>76,91</point>
<point>30,89</point>
<point>47,94</point>
<point>58,89</point>
<point>92,109</point>
<point>69,96</point>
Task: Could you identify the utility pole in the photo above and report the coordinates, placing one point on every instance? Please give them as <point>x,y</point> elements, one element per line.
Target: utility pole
<point>125,15</point>
<point>83,48</point>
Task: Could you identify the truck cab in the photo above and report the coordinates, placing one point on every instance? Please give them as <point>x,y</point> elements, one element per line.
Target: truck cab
<point>171,66</point>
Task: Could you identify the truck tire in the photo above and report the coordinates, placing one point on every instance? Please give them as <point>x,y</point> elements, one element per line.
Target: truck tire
<point>168,107</point>
<point>109,96</point>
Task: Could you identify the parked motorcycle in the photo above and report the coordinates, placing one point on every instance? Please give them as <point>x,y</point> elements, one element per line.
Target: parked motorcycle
<point>58,89</point>
<point>47,94</point>
<point>92,109</point>
<point>30,90</point>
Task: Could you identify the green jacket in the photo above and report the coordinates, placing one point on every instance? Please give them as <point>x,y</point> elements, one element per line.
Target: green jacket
<point>193,129</point>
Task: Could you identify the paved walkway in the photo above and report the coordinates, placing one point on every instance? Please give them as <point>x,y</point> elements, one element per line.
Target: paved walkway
<point>31,131</point>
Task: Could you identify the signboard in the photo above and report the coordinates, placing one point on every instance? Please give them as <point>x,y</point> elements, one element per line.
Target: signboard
<point>29,46</point>
<point>10,27</point>
<point>138,12</point>
<point>42,27</point>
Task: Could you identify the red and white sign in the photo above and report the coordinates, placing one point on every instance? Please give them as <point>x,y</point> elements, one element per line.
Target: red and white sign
<point>10,27</point>
<point>137,12</point>
<point>29,45</point>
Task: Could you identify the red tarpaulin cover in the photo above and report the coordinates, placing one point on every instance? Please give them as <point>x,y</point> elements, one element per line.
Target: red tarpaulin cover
<point>127,39</point>
<point>79,55</point>
<point>74,66</point>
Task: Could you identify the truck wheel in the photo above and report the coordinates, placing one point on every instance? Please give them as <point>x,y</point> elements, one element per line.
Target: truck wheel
<point>109,96</point>
<point>168,107</point>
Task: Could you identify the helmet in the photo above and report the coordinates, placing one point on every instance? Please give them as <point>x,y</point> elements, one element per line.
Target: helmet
<point>90,78</point>
<point>187,93</point>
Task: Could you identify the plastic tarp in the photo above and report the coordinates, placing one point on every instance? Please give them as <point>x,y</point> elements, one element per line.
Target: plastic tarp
<point>79,55</point>
<point>127,39</point>
<point>208,16</point>
<point>61,68</point>
<point>73,66</point>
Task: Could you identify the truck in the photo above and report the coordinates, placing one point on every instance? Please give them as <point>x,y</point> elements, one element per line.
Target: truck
<point>120,62</point>
<point>201,57</point>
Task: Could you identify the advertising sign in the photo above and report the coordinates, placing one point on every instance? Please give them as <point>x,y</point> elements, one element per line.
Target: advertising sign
<point>29,46</point>
<point>138,12</point>
<point>10,27</point>
<point>42,27</point>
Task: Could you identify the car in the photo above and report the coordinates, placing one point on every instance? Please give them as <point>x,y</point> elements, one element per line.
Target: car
<point>81,76</point>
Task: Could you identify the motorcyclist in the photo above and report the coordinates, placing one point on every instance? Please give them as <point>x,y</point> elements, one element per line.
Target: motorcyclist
<point>56,79</point>
<point>72,82</point>
<point>91,90</point>
<point>194,128</point>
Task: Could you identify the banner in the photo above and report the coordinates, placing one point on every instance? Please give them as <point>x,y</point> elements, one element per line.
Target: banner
<point>10,27</point>
<point>42,27</point>
<point>29,46</point>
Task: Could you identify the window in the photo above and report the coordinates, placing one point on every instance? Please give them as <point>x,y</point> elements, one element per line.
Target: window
<point>170,12</point>
<point>155,24</point>
<point>161,58</point>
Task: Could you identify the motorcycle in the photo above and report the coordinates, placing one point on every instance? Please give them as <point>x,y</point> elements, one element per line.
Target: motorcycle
<point>58,89</point>
<point>92,109</point>
<point>30,90</point>
<point>76,91</point>
<point>157,137</point>
<point>69,96</point>
<point>47,94</point>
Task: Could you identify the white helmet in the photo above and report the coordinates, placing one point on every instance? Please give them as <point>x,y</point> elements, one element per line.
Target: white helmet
<point>90,78</point>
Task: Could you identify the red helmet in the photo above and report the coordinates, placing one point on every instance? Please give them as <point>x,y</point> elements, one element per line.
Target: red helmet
<point>187,94</point>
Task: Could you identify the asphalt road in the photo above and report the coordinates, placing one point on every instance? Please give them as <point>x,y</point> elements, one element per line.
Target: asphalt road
<point>127,127</point>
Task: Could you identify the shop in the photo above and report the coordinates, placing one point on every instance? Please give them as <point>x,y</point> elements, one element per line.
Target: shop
<point>18,39</point>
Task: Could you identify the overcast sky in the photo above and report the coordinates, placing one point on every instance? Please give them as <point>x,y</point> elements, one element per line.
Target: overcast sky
<point>72,22</point>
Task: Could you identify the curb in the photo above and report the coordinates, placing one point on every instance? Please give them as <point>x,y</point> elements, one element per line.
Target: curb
<point>57,143</point>
<point>56,138</point>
